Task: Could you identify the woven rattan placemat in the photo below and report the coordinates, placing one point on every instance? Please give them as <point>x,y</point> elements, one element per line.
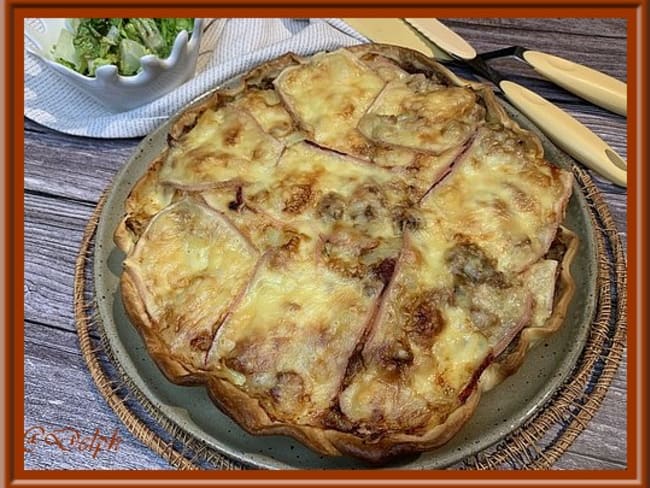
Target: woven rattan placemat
<point>536,445</point>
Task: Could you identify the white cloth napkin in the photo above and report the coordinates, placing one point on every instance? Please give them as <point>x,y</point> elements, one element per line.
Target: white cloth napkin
<point>229,47</point>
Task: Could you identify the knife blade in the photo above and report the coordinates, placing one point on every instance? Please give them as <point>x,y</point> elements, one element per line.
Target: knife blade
<point>442,36</point>
<point>592,85</point>
<point>563,129</point>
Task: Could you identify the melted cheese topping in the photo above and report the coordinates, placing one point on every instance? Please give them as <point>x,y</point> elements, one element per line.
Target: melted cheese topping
<point>456,296</point>
<point>385,68</point>
<point>329,95</point>
<point>435,279</point>
<point>540,279</point>
<point>266,108</point>
<point>502,197</point>
<point>435,120</point>
<point>306,174</point>
<point>147,198</point>
<point>423,350</point>
<point>263,231</point>
<point>352,208</point>
<point>419,169</point>
<point>190,265</point>
<point>278,343</point>
<point>224,145</point>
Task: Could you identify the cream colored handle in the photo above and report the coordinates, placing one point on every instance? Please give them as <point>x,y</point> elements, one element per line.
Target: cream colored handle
<point>569,134</point>
<point>599,88</point>
<point>392,31</point>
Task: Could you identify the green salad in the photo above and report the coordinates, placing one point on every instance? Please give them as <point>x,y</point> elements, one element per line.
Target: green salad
<point>122,42</point>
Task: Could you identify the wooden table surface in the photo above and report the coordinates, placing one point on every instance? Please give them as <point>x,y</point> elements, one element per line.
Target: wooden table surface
<point>65,175</point>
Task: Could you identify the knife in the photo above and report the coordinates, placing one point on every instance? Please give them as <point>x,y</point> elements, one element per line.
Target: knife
<point>596,87</point>
<point>564,130</point>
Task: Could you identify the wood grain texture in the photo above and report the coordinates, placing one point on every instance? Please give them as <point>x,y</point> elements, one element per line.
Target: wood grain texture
<point>65,175</point>
<point>53,231</point>
<point>59,392</point>
<point>71,167</point>
<point>535,29</point>
<point>568,38</point>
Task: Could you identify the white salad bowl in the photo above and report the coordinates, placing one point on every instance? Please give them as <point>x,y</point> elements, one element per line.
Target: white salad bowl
<point>116,92</point>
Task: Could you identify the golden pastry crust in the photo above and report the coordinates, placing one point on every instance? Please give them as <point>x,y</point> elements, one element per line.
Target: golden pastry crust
<point>382,269</point>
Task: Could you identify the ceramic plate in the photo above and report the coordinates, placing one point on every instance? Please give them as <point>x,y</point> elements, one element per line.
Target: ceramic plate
<point>500,411</point>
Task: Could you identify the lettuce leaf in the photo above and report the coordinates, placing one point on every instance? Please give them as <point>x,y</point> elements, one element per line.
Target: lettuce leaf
<point>121,41</point>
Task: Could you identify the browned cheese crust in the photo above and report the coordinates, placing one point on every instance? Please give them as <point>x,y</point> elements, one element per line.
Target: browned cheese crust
<point>348,249</point>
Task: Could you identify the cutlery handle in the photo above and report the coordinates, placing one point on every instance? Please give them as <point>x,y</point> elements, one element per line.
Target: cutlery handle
<point>569,134</point>
<point>592,85</point>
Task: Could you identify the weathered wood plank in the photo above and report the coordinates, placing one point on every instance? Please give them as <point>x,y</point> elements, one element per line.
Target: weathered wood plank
<point>585,27</point>
<point>574,461</point>
<point>576,42</point>
<point>59,392</point>
<point>606,435</point>
<point>73,167</point>
<point>53,232</point>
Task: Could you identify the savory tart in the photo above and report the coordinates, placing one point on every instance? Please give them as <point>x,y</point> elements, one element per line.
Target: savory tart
<point>348,249</point>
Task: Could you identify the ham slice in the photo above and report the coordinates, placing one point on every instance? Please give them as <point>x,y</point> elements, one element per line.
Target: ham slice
<point>189,266</point>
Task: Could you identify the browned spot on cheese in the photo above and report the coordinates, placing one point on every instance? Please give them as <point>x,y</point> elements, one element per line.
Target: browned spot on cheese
<point>366,203</point>
<point>347,252</point>
<point>501,207</point>
<point>253,355</point>
<point>232,134</point>
<point>169,317</point>
<point>331,206</point>
<point>137,222</point>
<point>406,218</point>
<point>346,111</point>
<point>384,269</point>
<point>293,306</point>
<point>423,317</point>
<point>469,263</point>
<point>298,198</point>
<point>285,252</point>
<point>171,140</point>
<point>292,245</point>
<point>237,364</point>
<point>258,153</point>
<point>281,129</point>
<point>394,357</point>
<point>522,200</point>
<point>238,202</point>
<point>445,387</point>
